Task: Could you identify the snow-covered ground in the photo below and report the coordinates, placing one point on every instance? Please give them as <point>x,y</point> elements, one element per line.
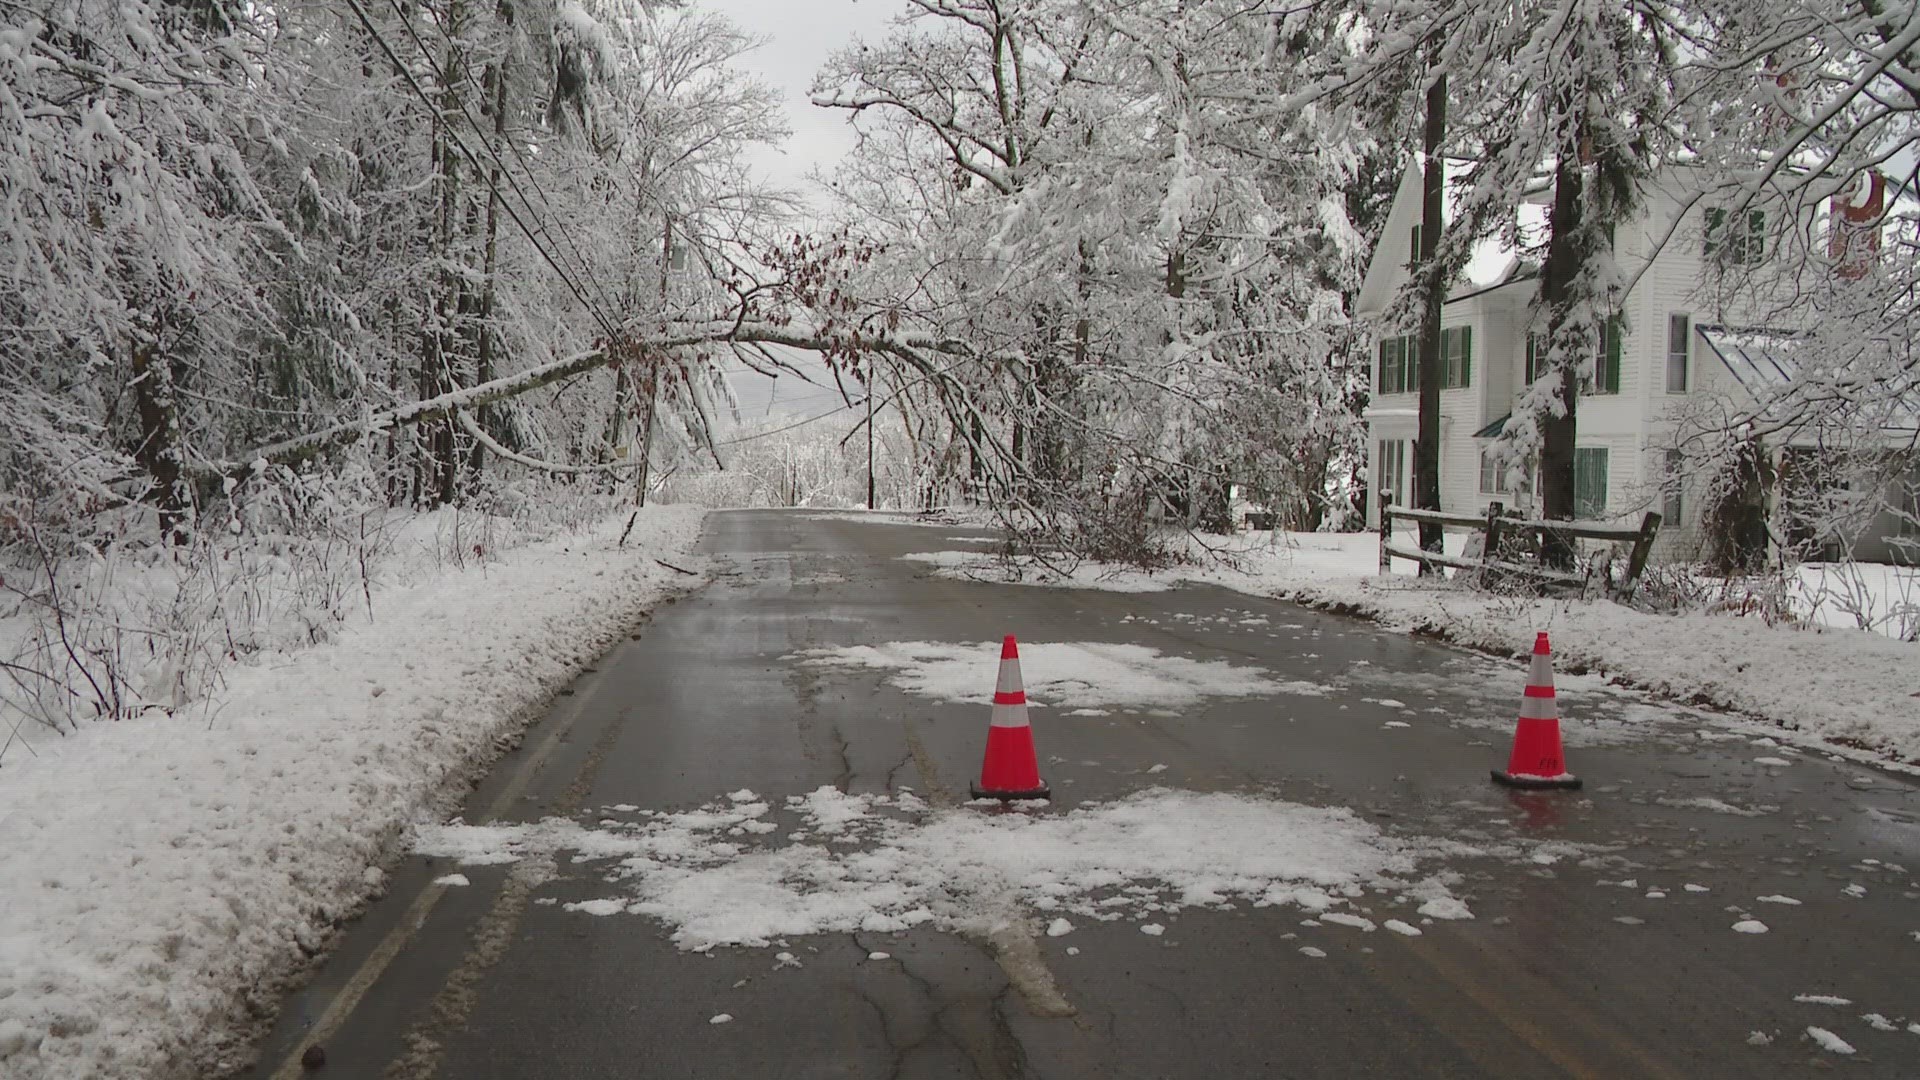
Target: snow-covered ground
<point>1865,596</point>
<point>719,875</point>
<point>159,874</point>
<point>1841,690</point>
<point>1089,673</point>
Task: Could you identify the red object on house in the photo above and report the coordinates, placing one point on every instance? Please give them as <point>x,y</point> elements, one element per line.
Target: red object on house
<point>1853,236</point>
<point>1011,770</point>
<point>1537,760</point>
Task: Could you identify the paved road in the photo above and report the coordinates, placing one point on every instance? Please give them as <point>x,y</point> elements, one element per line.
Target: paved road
<point>498,980</point>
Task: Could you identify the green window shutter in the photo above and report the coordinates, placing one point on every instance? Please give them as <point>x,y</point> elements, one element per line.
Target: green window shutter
<point>1589,482</point>
<point>1613,355</point>
<point>1533,358</point>
<point>1716,226</point>
<point>1466,356</point>
<point>1380,366</point>
<point>1756,235</point>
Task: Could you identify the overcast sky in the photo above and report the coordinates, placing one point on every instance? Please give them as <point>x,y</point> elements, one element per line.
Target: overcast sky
<point>799,36</point>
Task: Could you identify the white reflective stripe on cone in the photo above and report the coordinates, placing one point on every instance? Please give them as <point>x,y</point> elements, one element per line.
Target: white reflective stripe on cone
<point>1009,716</point>
<point>1538,708</point>
<point>1541,674</point>
<point>1009,676</point>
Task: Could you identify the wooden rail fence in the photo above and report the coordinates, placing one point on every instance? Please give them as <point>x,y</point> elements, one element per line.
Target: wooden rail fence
<point>1498,524</point>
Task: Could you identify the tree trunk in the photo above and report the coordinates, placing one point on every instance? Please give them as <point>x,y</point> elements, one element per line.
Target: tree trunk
<point>1566,256</point>
<point>1426,444</point>
<point>159,448</point>
<point>436,476</point>
<point>483,371</point>
<point>1736,522</point>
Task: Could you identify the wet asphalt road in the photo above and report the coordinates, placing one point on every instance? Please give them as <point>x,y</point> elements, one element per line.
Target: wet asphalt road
<point>496,980</point>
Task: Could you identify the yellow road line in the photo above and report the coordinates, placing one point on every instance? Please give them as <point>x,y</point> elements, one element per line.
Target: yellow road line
<point>1520,990</point>
<point>348,998</point>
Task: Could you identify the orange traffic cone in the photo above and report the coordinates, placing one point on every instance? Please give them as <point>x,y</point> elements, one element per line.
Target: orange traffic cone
<point>1537,760</point>
<point>1011,770</point>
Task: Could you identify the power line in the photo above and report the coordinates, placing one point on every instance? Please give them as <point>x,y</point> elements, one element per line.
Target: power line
<point>426,54</point>
<point>400,66</point>
<point>802,423</point>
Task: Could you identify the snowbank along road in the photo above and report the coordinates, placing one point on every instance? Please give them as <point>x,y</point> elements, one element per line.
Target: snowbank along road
<point>740,847</point>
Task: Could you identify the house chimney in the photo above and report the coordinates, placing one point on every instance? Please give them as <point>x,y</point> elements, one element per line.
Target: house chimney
<point>1853,237</point>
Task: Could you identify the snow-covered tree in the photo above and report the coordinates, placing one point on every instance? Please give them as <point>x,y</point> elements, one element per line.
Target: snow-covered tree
<point>1580,91</point>
<point>1805,114</point>
<point>1106,201</point>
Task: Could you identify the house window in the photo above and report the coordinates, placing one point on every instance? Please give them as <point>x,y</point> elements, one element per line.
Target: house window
<point>1493,474</point>
<point>1589,481</point>
<point>1494,477</point>
<point>1399,369</point>
<point>1679,329</point>
<point>1606,364</point>
<point>1392,461</point>
<point>1456,357</point>
<point>1672,485</point>
<point>1736,240</point>
<point>1392,369</point>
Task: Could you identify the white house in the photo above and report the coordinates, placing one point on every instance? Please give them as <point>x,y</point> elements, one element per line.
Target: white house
<point>1663,355</point>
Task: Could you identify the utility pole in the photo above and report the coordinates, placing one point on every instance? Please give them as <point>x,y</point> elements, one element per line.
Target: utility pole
<point>870,504</point>
<point>653,365</point>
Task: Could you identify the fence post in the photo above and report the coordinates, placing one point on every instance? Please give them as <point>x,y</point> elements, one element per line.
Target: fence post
<point>1386,531</point>
<point>1642,548</point>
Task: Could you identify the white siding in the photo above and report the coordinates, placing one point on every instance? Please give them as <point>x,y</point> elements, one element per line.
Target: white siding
<point>1664,263</point>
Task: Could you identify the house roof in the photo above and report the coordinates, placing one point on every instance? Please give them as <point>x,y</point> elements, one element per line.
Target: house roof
<point>1493,430</point>
<point>1755,358</point>
<point>1492,262</point>
<point>1762,359</point>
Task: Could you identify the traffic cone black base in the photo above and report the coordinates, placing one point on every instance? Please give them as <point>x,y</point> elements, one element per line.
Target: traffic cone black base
<point>1041,792</point>
<point>1537,783</point>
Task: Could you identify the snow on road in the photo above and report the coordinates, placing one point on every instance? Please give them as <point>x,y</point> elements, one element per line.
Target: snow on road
<point>1082,675</point>
<point>1843,691</point>
<point>157,874</point>
<point>974,868</point>
<point>1829,1041</point>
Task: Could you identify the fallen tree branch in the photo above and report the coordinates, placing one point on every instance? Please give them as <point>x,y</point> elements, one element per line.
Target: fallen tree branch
<point>910,348</point>
<point>678,569</point>
<point>467,424</point>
